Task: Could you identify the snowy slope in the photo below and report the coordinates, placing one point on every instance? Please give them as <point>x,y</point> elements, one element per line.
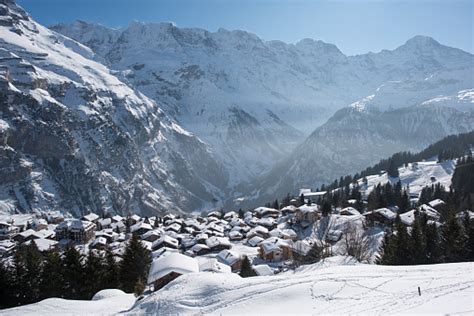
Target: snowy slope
<point>416,176</point>
<point>336,286</point>
<point>110,302</point>
<point>251,109</point>
<point>75,138</point>
<point>446,288</point>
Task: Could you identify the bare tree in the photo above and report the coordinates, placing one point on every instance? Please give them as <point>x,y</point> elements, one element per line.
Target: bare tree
<point>357,243</point>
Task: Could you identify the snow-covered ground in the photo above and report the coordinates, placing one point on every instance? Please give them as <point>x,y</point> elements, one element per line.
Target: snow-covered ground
<point>416,176</point>
<point>106,302</point>
<point>336,286</point>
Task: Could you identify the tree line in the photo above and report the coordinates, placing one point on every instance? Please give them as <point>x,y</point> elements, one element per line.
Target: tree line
<point>429,243</point>
<point>31,275</point>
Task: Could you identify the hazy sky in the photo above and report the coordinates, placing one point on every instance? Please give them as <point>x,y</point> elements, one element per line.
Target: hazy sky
<point>354,26</point>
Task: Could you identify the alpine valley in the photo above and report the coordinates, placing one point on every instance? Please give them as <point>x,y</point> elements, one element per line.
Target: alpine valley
<point>152,117</point>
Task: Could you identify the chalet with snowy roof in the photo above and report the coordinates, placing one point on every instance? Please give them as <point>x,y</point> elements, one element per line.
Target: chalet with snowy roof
<point>54,217</point>
<point>104,223</point>
<point>176,227</point>
<point>263,270</point>
<point>91,217</point>
<point>349,211</point>
<point>75,230</point>
<point>7,230</point>
<point>117,218</point>
<point>163,252</point>
<point>307,214</point>
<point>267,212</point>
<point>151,235</point>
<point>165,241</point>
<point>218,243</point>
<point>167,268</point>
<point>6,247</point>
<point>215,214</point>
<point>43,244</point>
<point>230,215</point>
<point>39,224</point>
<point>268,222</point>
<point>230,258</point>
<point>213,265</point>
<point>118,226</point>
<point>314,197</point>
<point>290,209</point>
<point>235,235</point>
<point>438,204</point>
<point>200,249</point>
<point>140,228</point>
<point>275,249</point>
<point>99,243</point>
<point>255,241</point>
<point>381,216</point>
<point>258,231</point>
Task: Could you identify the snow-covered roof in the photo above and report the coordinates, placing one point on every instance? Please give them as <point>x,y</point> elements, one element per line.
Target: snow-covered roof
<point>263,270</point>
<point>273,244</point>
<point>350,210</point>
<point>216,241</point>
<point>43,244</point>
<point>140,225</point>
<point>228,257</point>
<point>212,265</point>
<point>312,194</point>
<point>254,241</point>
<point>436,203</point>
<point>90,217</point>
<point>166,239</point>
<point>173,262</point>
<point>385,212</point>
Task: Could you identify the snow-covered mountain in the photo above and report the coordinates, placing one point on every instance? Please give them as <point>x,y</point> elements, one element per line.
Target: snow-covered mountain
<point>73,137</point>
<point>353,139</point>
<point>254,100</point>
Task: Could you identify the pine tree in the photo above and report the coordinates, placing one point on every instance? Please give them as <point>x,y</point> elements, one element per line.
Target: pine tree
<point>433,251</point>
<point>386,251</point>
<point>134,265</point>
<point>93,275</point>
<point>27,263</point>
<point>417,244</point>
<point>469,229</point>
<point>401,250</point>
<point>246,270</point>
<point>52,275</point>
<point>6,286</point>
<point>453,240</point>
<point>326,209</point>
<point>111,272</point>
<point>73,273</point>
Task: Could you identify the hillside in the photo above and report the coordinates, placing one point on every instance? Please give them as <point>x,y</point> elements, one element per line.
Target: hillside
<point>336,286</point>
<point>75,138</point>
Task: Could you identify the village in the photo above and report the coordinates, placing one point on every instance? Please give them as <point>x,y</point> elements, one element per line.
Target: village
<point>269,238</point>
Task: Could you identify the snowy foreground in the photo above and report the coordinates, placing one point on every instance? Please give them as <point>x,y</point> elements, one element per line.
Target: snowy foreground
<point>336,286</point>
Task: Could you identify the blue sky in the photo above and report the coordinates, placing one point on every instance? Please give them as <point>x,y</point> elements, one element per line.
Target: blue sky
<point>355,26</point>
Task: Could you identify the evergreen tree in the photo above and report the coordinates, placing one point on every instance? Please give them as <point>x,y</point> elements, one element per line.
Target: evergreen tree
<point>73,274</point>
<point>134,265</point>
<point>94,275</point>
<point>386,251</point>
<point>401,250</point>
<point>27,263</point>
<point>453,240</point>
<point>52,275</point>
<point>326,208</point>
<point>433,250</point>
<point>246,270</point>
<point>417,244</point>
<point>6,286</point>
<point>111,272</point>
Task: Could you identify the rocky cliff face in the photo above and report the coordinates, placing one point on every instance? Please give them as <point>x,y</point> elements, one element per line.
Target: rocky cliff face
<point>75,138</point>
